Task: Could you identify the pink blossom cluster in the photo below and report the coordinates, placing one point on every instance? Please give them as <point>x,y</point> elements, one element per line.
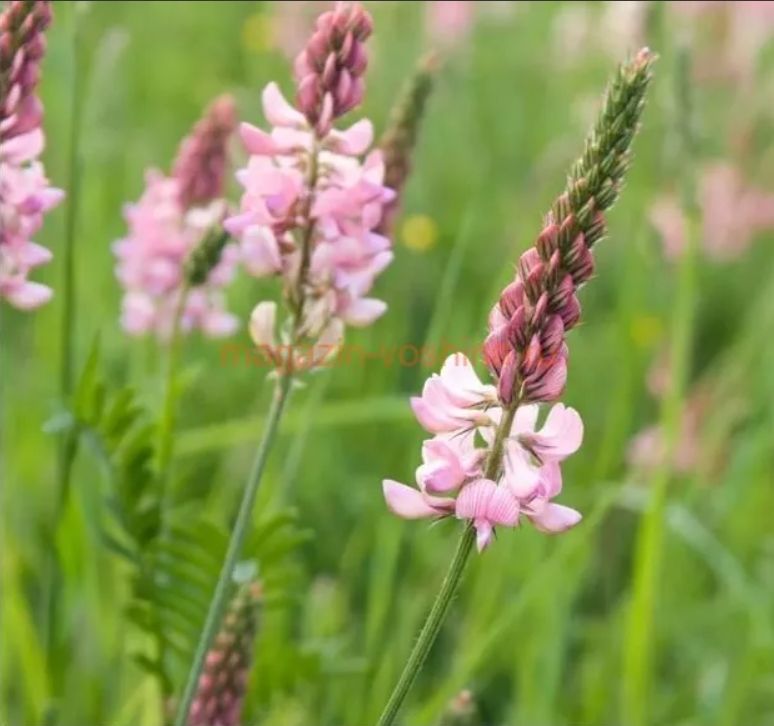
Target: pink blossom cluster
<point>172,218</point>
<point>462,413</point>
<point>732,211</point>
<point>25,194</point>
<point>311,203</point>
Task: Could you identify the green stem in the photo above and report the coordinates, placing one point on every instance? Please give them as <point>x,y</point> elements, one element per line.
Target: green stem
<point>639,650</point>
<point>166,437</point>
<point>215,612</point>
<point>449,586</point>
<point>166,443</point>
<point>69,444</point>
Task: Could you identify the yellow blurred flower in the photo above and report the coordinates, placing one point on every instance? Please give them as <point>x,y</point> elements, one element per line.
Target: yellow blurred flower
<point>419,232</point>
<point>646,330</point>
<point>258,33</point>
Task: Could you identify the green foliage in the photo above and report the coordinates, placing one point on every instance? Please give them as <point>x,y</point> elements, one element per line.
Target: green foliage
<point>174,567</point>
<point>537,632</point>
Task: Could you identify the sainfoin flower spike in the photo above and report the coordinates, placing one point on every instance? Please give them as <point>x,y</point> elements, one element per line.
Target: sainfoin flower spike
<point>220,695</point>
<point>490,462</point>
<point>400,137</point>
<point>311,203</point>
<point>173,254</point>
<point>25,194</point>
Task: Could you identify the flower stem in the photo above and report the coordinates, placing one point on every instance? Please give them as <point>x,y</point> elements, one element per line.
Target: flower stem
<point>166,443</point>
<point>220,596</point>
<point>167,423</point>
<point>639,652</point>
<point>68,446</point>
<point>431,627</point>
<point>449,586</point>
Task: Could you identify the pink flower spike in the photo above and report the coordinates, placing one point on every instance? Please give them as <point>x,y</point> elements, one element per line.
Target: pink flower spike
<point>487,506</point>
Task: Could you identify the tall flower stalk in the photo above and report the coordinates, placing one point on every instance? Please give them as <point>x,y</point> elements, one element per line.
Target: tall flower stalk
<point>488,463</point>
<point>400,137</point>
<point>308,216</point>
<point>25,197</point>
<point>638,652</point>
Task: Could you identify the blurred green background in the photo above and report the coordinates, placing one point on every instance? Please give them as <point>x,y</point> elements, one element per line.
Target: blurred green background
<point>546,631</point>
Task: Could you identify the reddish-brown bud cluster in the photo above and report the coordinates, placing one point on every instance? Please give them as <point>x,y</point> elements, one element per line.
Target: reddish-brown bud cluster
<point>202,160</point>
<point>222,684</point>
<point>525,348</point>
<point>330,68</point>
<point>22,46</point>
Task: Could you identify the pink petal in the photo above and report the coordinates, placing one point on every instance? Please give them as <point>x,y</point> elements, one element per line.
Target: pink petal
<point>473,500</point>
<point>262,321</point>
<point>278,111</point>
<point>430,418</point>
<point>219,324</point>
<point>484,534</point>
<point>260,252</point>
<point>522,476</point>
<point>486,505</point>
<point>257,141</point>
<point>554,518</point>
<point>138,313</point>
<point>352,141</point>
<point>561,435</point>
<point>407,502</point>
<point>503,508</point>
<point>363,311</point>
<point>27,295</point>
<point>23,148</point>
<point>463,384</point>
<point>34,255</point>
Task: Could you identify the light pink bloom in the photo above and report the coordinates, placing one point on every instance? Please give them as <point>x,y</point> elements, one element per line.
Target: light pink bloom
<point>151,260</point>
<point>25,195</point>
<point>449,461</point>
<point>175,215</point>
<point>456,399</point>
<point>460,409</point>
<point>346,254</point>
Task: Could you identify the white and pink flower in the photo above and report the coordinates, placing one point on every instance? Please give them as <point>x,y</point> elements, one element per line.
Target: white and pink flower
<point>463,413</point>
<point>341,202</point>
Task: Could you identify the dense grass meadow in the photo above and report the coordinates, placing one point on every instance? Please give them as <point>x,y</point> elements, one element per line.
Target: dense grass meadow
<point>658,608</point>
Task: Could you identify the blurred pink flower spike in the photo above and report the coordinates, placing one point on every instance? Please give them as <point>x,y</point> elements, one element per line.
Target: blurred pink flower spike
<point>175,216</point>
<point>25,195</point>
<point>733,213</point>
